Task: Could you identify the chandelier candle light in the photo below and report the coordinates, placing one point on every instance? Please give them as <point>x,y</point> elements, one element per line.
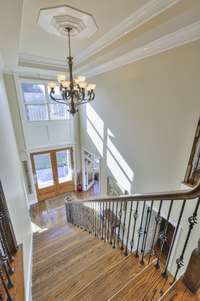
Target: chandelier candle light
<point>73,92</point>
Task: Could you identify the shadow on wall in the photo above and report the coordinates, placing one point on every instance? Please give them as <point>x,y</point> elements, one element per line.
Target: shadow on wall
<point>102,138</point>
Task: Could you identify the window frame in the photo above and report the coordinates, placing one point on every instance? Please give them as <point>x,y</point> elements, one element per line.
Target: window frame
<point>46,103</point>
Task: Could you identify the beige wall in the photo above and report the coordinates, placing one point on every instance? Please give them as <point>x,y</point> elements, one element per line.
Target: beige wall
<point>152,108</point>
<point>13,184</point>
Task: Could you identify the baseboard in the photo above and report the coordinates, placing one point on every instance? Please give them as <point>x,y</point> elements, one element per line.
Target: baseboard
<point>29,278</point>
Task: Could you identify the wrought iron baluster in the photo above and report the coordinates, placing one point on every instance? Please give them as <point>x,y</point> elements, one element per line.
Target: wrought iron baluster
<point>108,217</point>
<point>135,216</point>
<point>120,226</point>
<point>147,231</point>
<point>105,222</point>
<point>116,219</point>
<point>140,230</point>
<point>124,224</point>
<point>158,220</point>
<point>4,254</point>
<point>9,298</point>
<point>99,220</point>
<point>93,219</point>
<point>192,222</point>
<point>128,230</point>
<point>144,235</point>
<point>111,226</point>
<point>165,273</point>
<point>102,222</point>
<point>95,214</point>
<point>163,236</point>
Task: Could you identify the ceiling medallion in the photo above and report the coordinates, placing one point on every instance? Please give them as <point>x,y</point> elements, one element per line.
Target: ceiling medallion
<point>56,19</point>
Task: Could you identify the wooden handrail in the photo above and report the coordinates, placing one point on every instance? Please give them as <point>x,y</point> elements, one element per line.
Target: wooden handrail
<point>171,195</point>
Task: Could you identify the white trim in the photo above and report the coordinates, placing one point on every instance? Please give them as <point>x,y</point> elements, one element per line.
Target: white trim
<point>145,13</point>
<point>26,58</point>
<point>29,281</point>
<point>180,37</point>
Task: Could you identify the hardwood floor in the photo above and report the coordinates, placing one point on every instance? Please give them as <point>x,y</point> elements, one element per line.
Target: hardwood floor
<point>50,213</point>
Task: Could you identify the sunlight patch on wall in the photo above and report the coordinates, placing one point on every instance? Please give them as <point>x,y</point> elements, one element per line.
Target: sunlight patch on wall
<point>117,173</point>
<point>96,121</point>
<point>118,157</point>
<point>96,139</point>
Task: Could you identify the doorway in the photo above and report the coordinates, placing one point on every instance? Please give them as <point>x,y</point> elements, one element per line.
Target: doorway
<point>91,172</point>
<point>53,172</point>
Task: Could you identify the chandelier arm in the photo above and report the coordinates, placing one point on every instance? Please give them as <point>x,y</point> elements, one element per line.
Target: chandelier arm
<point>58,100</point>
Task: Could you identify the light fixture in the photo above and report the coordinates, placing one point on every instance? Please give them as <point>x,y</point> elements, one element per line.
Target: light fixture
<point>73,92</point>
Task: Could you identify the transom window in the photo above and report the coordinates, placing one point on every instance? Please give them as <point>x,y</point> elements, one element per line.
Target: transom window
<point>38,105</point>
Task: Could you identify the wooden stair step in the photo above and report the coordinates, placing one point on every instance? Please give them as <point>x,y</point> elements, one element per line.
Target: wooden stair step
<point>109,282</point>
<point>179,292</point>
<point>149,285</point>
<point>54,247</point>
<point>70,268</point>
<point>66,289</point>
<point>51,263</point>
<point>42,238</point>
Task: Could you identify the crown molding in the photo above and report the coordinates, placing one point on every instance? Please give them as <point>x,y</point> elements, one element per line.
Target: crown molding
<point>145,13</point>
<point>180,37</point>
<point>27,59</point>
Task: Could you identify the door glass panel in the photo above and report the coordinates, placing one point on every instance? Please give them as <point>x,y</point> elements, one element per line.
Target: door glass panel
<point>64,166</point>
<point>43,169</point>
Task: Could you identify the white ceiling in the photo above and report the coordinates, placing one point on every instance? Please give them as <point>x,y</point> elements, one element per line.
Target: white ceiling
<point>123,27</point>
<point>35,41</point>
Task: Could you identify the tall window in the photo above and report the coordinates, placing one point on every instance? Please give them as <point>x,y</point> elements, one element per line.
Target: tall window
<point>38,105</point>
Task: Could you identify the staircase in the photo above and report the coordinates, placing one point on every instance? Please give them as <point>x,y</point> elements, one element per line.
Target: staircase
<point>101,253</point>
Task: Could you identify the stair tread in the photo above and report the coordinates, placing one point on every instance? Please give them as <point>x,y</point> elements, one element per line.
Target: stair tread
<point>64,242</point>
<point>109,282</point>
<point>179,292</point>
<point>70,267</point>
<point>52,263</point>
<point>69,286</point>
<point>147,286</point>
<point>43,237</point>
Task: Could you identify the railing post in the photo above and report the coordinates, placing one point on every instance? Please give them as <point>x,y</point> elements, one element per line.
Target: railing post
<point>192,222</point>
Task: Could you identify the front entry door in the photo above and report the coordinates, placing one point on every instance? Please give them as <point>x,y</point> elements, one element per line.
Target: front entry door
<point>53,172</point>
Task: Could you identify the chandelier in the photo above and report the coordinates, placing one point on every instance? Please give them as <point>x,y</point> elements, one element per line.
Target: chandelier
<point>72,92</point>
